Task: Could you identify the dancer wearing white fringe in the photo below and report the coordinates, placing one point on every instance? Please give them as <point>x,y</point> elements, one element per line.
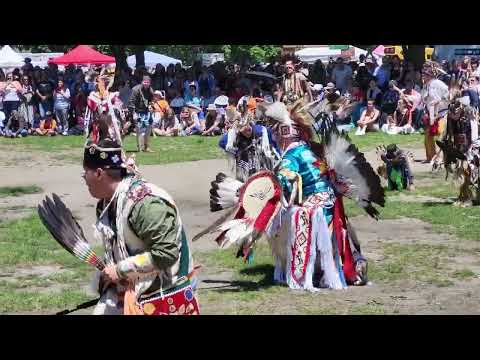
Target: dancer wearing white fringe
<point>299,205</point>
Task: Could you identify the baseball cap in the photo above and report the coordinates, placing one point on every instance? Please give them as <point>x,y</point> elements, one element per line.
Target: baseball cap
<point>329,86</point>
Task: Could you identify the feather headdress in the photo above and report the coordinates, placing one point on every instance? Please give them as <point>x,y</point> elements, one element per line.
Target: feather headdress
<point>354,176</point>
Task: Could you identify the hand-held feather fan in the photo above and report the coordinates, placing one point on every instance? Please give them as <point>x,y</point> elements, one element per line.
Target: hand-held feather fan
<point>59,221</point>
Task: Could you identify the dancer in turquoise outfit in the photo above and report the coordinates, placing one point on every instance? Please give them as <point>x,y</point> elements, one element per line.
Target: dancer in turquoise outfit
<point>312,241</point>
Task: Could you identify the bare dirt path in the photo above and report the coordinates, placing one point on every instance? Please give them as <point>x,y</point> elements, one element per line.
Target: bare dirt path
<point>188,183</point>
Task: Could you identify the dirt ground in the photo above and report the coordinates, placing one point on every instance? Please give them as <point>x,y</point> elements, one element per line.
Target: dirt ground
<point>188,183</point>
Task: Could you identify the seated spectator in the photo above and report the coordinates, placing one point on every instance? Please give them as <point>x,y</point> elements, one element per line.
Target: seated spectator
<point>393,125</point>
<point>16,126</point>
<point>177,103</point>
<point>169,126</point>
<point>363,77</point>
<point>410,100</point>
<point>221,103</point>
<point>191,96</point>
<point>390,99</point>
<point>48,126</point>
<point>374,93</point>
<point>356,97</point>
<point>187,85</point>
<point>368,119</point>
<point>189,121</point>
<point>470,90</point>
<point>277,91</point>
<point>396,71</point>
<point>211,99</point>
<point>250,101</point>
<point>212,122</point>
<point>159,107</point>
<point>231,116</point>
<point>78,127</point>
<point>35,124</point>
<point>237,94</point>
<point>475,68</point>
<point>2,123</point>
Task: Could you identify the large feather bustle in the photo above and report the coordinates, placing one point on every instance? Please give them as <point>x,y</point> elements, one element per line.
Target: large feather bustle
<point>362,184</point>
<point>60,222</point>
<point>236,231</point>
<point>224,192</point>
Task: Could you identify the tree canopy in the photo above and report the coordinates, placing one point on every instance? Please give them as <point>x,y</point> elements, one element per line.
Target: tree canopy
<point>187,53</point>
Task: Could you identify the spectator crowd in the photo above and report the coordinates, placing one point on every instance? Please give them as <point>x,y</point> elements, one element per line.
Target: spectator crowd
<point>386,94</point>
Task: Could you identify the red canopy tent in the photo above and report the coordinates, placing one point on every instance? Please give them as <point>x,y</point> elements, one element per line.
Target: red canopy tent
<point>82,55</point>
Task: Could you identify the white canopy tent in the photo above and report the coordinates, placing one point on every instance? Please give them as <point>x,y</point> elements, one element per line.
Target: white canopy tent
<point>312,54</point>
<point>152,59</point>
<point>9,58</point>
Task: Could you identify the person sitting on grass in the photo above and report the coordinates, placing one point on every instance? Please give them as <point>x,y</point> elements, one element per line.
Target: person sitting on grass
<point>16,126</point>
<point>191,123</point>
<point>213,122</point>
<point>159,106</point>
<point>177,103</point>
<point>231,116</point>
<point>368,119</point>
<point>169,126</point>
<point>2,124</point>
<point>35,124</point>
<point>48,126</point>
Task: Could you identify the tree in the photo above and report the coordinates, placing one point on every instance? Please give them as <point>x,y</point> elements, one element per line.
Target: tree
<point>187,53</point>
<point>139,55</point>
<point>414,54</point>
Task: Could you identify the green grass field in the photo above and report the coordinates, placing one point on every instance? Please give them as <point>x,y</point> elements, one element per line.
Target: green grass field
<point>27,244</point>
<point>168,149</point>
<point>19,190</point>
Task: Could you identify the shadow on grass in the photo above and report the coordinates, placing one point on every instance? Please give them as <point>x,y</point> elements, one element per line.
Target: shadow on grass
<point>437,203</point>
<point>266,281</point>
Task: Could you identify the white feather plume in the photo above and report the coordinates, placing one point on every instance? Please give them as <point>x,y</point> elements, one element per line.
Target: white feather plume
<point>341,160</point>
<point>278,111</point>
<point>224,193</point>
<point>237,230</point>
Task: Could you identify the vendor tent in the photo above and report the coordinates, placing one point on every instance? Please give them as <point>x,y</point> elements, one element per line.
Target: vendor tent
<point>83,54</point>
<point>152,59</point>
<point>312,54</point>
<point>9,58</point>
